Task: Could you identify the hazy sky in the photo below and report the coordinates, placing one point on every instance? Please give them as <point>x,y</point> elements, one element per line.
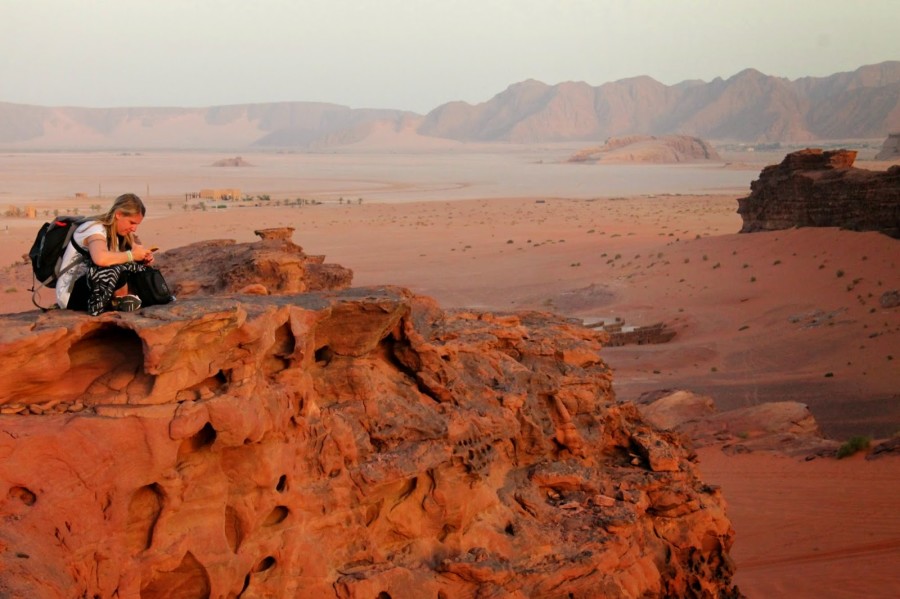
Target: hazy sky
<point>412,54</point>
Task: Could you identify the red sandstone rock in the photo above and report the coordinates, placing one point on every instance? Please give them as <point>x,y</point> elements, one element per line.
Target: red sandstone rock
<point>785,427</point>
<point>275,263</point>
<point>361,443</point>
<point>812,188</point>
<point>650,148</point>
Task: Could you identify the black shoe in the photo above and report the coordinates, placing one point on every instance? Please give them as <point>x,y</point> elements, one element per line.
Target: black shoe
<point>127,303</point>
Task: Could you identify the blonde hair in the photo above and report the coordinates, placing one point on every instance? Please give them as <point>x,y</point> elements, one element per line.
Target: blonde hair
<point>128,204</point>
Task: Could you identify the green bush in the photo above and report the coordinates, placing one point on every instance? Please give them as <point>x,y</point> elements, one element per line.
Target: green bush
<point>853,445</point>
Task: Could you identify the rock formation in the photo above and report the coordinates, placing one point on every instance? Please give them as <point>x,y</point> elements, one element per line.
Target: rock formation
<point>273,265</point>
<point>890,149</point>
<point>665,149</point>
<point>355,443</point>
<point>813,188</point>
<point>236,161</point>
<point>785,427</point>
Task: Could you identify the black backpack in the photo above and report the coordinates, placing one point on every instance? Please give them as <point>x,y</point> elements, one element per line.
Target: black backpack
<point>49,246</point>
<point>150,285</point>
<point>47,251</point>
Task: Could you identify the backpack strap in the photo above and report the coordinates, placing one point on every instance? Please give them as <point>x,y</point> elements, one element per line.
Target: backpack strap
<point>36,287</point>
<point>78,247</point>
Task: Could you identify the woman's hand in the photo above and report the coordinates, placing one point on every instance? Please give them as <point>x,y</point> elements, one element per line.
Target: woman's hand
<point>142,254</point>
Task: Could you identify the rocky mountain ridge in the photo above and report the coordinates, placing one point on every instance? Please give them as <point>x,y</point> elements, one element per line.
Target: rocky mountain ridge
<point>748,107</point>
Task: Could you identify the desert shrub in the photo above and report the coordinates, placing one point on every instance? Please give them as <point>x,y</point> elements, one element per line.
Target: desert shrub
<point>853,445</point>
<point>839,273</point>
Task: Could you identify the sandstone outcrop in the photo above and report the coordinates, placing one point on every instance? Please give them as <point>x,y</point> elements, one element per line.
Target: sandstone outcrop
<point>272,265</point>
<point>355,443</point>
<point>663,149</point>
<point>814,188</point>
<point>890,149</point>
<point>785,427</point>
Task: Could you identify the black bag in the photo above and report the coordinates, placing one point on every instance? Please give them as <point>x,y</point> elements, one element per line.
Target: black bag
<point>47,251</point>
<point>150,285</point>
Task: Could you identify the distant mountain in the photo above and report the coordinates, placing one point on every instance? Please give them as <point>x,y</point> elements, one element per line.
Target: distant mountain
<point>282,124</point>
<point>748,107</point>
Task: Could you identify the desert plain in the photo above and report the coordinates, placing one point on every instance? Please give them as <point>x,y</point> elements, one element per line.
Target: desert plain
<point>789,315</point>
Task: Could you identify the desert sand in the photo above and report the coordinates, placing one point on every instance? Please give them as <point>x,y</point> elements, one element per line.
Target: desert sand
<point>789,315</point>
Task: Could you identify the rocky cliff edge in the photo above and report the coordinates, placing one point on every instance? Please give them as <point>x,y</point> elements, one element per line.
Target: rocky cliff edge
<point>359,442</point>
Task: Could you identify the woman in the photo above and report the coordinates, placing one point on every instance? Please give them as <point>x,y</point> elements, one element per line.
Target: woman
<point>107,251</point>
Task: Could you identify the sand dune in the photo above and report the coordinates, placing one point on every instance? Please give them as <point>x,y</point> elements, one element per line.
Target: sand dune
<point>789,315</point>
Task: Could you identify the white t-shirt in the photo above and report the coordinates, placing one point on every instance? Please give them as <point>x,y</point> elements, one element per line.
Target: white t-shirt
<point>68,278</point>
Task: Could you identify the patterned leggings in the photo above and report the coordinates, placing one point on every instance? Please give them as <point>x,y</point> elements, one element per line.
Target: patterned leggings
<point>102,282</point>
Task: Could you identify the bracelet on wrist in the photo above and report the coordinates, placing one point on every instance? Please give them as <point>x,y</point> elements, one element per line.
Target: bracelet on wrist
<point>130,255</point>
